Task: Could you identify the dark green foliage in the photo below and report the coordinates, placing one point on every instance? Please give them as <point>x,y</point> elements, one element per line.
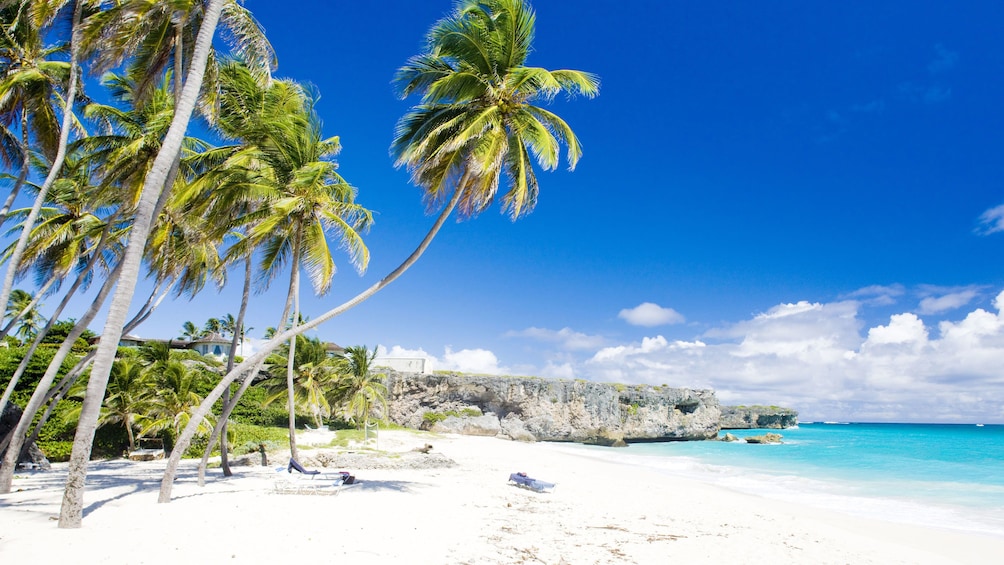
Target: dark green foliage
<point>251,410</point>
<point>60,330</point>
<point>10,357</point>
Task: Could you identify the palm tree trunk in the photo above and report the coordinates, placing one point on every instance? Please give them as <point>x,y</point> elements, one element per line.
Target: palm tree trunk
<point>71,513</point>
<point>13,193</point>
<point>185,439</point>
<point>294,293</point>
<point>57,164</point>
<point>220,429</point>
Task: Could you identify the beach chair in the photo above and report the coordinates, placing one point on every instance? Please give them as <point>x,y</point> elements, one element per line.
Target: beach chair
<point>287,483</point>
<point>523,481</point>
<point>339,477</point>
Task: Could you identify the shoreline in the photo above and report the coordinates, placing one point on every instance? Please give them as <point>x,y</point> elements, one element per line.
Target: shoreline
<point>601,511</point>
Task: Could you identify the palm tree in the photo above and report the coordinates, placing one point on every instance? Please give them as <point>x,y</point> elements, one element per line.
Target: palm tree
<point>314,377</point>
<point>29,86</point>
<point>500,32</point>
<point>190,331</point>
<point>71,512</point>
<point>129,392</point>
<point>304,198</point>
<point>28,323</point>
<point>171,408</point>
<point>360,390</point>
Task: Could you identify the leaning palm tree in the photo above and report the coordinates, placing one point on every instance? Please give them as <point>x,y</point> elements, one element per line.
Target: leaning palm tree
<point>473,69</point>
<point>31,85</point>
<point>190,331</point>
<point>71,512</point>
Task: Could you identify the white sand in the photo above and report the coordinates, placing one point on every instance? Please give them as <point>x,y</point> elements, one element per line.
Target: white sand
<point>600,512</point>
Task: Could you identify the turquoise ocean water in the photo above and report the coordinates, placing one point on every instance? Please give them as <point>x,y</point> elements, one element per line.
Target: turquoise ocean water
<point>947,476</point>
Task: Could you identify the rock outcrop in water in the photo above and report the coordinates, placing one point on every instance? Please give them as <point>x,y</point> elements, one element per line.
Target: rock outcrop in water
<point>535,409</point>
<point>748,417</point>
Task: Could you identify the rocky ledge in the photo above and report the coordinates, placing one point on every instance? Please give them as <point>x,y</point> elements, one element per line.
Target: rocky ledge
<point>536,409</point>
<point>748,417</point>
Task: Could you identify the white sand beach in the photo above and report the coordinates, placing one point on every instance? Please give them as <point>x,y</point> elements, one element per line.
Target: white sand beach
<point>600,512</point>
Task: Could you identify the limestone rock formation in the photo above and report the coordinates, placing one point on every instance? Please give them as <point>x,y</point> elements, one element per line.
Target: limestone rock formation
<point>535,409</point>
<point>749,417</point>
<point>765,438</point>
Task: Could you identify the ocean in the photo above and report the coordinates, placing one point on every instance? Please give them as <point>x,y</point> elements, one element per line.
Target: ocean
<point>941,475</point>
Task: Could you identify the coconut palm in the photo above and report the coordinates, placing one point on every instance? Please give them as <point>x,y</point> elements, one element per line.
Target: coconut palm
<point>28,322</point>
<point>190,331</point>
<point>129,391</point>
<point>304,198</point>
<point>71,512</point>
<point>474,65</point>
<point>171,407</point>
<point>315,376</point>
<point>359,389</point>
<point>30,86</point>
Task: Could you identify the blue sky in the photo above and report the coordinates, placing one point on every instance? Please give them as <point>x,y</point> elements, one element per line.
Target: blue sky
<point>791,203</point>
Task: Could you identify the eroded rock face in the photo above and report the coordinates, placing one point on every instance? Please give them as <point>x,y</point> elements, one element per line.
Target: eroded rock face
<point>535,409</point>
<point>750,417</point>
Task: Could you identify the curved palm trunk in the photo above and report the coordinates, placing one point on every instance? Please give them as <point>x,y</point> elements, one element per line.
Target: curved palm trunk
<point>220,429</point>
<point>207,404</point>
<point>13,195</point>
<point>71,513</point>
<point>294,294</point>
<point>57,164</point>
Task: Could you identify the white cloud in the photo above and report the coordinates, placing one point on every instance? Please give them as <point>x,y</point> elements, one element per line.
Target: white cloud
<point>991,221</point>
<point>565,337</point>
<point>822,359</point>
<point>479,361</point>
<point>947,301</point>
<point>648,314</point>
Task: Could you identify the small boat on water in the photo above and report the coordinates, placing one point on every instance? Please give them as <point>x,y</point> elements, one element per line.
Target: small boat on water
<point>979,425</point>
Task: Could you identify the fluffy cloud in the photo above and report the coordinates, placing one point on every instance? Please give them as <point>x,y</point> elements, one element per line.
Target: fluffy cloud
<point>821,359</point>
<point>648,314</point>
<point>481,361</point>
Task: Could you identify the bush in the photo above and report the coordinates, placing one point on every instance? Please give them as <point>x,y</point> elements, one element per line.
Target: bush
<point>11,357</point>
<point>56,451</point>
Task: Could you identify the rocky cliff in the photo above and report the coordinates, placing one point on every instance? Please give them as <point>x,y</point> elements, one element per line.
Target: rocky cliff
<point>535,409</point>
<point>746,417</point>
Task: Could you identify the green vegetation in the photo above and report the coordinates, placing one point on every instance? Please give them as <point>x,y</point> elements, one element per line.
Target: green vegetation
<point>433,417</point>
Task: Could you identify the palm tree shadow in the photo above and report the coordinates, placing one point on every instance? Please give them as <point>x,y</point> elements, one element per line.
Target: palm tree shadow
<point>393,486</point>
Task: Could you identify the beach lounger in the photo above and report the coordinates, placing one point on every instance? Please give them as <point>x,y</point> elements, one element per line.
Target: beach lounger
<point>522,480</point>
<point>340,477</point>
<point>287,483</point>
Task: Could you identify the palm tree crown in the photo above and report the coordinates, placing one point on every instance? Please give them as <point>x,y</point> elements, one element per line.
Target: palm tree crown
<point>477,121</point>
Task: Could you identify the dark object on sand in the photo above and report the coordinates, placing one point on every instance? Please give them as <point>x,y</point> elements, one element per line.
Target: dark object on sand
<point>522,480</point>
<point>424,449</point>
<point>340,477</point>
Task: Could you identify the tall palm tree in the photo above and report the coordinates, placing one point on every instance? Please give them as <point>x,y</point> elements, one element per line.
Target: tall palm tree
<point>30,86</point>
<point>442,153</point>
<point>289,167</point>
<point>71,512</point>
